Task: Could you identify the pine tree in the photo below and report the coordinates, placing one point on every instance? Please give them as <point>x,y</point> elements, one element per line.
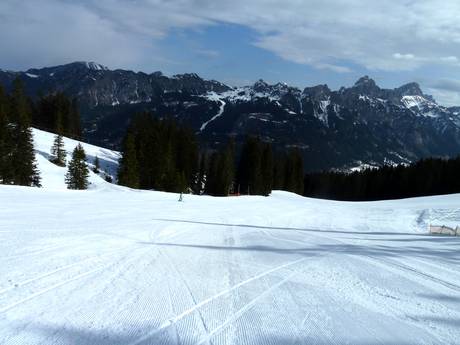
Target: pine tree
<point>212,179</point>
<point>23,155</point>
<point>267,169</point>
<point>279,172</point>
<point>57,150</point>
<point>77,173</point>
<point>249,175</point>
<point>227,169</point>
<point>74,127</point>
<point>200,177</point>
<point>128,173</point>
<point>97,166</point>
<point>294,172</point>
<point>221,172</point>
<point>59,114</point>
<point>6,147</point>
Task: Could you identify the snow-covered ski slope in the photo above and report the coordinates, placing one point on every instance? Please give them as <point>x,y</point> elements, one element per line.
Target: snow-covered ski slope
<point>53,176</point>
<point>118,266</point>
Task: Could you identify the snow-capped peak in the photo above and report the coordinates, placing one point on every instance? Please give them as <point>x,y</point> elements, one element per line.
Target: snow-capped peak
<point>95,66</point>
<point>422,106</point>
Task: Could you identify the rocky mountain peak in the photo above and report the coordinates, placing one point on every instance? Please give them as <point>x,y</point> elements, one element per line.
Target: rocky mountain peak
<point>191,76</point>
<point>318,92</point>
<point>366,86</point>
<point>260,86</point>
<point>365,81</point>
<point>410,89</point>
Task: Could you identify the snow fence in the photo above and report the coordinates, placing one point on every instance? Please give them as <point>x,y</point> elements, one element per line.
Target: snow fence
<point>444,230</point>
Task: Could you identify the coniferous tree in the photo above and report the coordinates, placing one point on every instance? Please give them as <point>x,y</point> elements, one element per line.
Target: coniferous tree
<point>23,155</point>
<point>59,114</point>
<point>294,172</point>
<point>212,174</point>
<point>221,171</point>
<point>74,126</point>
<point>255,173</point>
<point>200,176</point>
<point>97,166</point>
<point>6,144</point>
<point>162,155</point>
<point>267,169</point>
<point>249,175</point>
<point>227,169</point>
<point>279,172</point>
<point>57,150</point>
<point>128,173</point>
<point>77,173</point>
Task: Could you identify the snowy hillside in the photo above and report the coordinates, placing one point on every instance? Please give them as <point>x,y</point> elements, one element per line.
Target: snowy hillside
<point>118,266</point>
<point>53,176</point>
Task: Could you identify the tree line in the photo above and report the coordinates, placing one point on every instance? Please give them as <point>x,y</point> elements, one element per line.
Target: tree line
<point>55,113</point>
<point>431,176</point>
<point>257,171</point>
<point>159,154</point>
<point>17,156</point>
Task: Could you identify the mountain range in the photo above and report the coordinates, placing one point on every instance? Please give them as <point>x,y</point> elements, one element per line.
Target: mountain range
<point>362,125</point>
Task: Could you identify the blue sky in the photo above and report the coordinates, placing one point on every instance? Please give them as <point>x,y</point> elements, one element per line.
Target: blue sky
<point>226,52</point>
<point>300,42</point>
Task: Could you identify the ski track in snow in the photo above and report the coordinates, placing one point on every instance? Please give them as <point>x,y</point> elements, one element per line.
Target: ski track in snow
<point>219,113</point>
<point>113,266</point>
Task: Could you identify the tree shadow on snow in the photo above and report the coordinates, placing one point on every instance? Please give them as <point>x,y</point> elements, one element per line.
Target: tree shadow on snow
<point>288,228</point>
<point>447,252</point>
<point>452,255</point>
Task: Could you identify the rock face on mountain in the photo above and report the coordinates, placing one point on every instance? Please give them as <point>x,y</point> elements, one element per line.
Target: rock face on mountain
<point>360,125</point>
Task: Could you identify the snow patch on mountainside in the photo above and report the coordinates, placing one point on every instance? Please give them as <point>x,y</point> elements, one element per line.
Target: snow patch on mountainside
<point>421,105</point>
<point>95,66</point>
<point>273,93</point>
<point>324,104</point>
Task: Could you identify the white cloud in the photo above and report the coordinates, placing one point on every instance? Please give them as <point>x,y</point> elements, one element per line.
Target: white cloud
<point>335,68</point>
<point>445,97</point>
<point>404,56</point>
<point>453,59</point>
<point>445,91</point>
<point>391,35</point>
